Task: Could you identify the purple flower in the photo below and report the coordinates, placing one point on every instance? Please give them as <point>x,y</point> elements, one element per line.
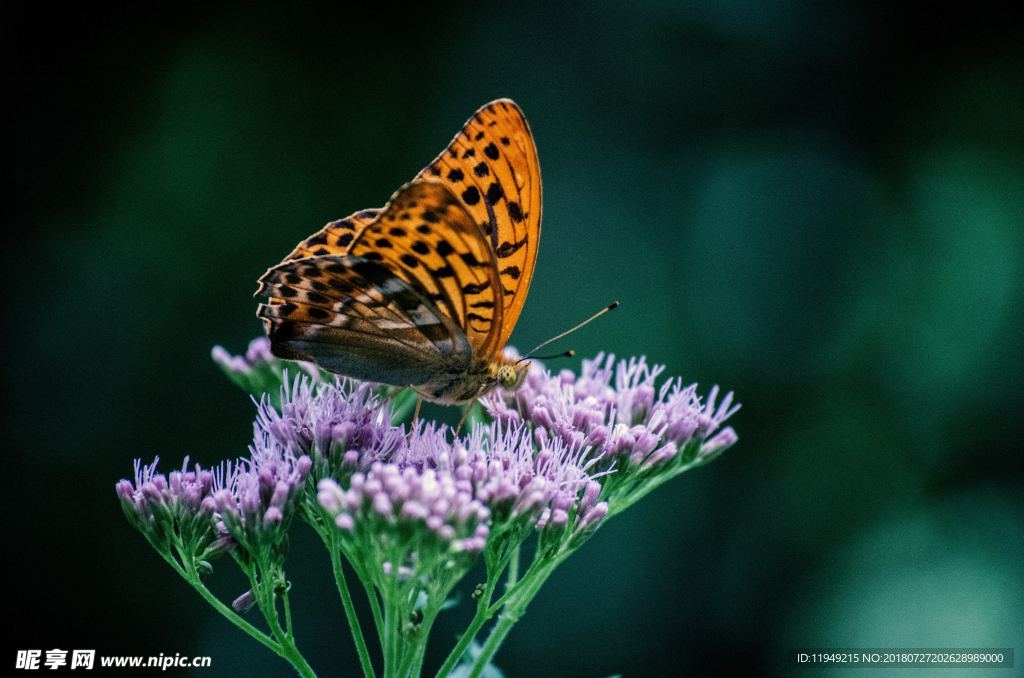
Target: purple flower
<point>244,602</point>
<point>257,357</point>
<point>343,425</point>
<point>515,475</point>
<point>178,506</point>
<point>493,476</point>
<point>256,503</point>
<point>428,505</point>
<point>617,409</point>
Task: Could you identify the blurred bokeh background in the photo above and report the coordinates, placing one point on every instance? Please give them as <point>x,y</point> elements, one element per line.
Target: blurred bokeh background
<point>818,206</point>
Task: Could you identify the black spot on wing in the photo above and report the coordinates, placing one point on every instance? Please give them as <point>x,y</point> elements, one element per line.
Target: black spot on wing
<point>491,151</point>
<point>475,288</point>
<point>507,249</point>
<point>318,313</point>
<point>471,195</point>
<point>515,212</point>
<point>494,193</point>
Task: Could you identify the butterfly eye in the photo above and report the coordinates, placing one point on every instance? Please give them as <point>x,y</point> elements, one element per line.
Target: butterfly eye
<point>507,376</point>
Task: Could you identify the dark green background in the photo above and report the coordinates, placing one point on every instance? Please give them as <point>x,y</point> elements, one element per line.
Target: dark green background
<point>819,208</point>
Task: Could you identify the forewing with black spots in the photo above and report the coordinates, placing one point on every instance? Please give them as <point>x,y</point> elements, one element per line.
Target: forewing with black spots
<point>492,166</point>
<point>426,236</point>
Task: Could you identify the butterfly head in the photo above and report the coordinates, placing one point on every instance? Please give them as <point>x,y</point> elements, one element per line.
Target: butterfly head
<point>509,375</point>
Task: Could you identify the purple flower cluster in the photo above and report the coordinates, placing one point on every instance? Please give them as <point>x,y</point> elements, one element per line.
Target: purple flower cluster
<point>558,448</point>
<point>175,506</point>
<point>343,425</point>
<point>247,504</point>
<point>452,488</point>
<point>409,500</point>
<point>548,483</point>
<point>260,497</point>
<point>258,370</point>
<point>616,409</point>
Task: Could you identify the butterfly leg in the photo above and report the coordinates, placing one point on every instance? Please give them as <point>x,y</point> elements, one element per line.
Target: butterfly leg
<point>465,415</point>
<point>416,412</point>
<point>415,416</point>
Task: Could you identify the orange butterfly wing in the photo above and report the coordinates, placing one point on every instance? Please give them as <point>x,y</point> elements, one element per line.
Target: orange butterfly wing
<point>426,237</point>
<point>336,237</point>
<point>492,166</point>
<point>492,171</point>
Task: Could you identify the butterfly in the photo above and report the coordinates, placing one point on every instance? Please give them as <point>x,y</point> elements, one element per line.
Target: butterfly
<point>425,291</point>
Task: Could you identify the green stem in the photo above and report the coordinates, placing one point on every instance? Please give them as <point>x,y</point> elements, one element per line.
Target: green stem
<point>479,619</point>
<point>484,609</point>
<point>225,611</point>
<point>288,652</point>
<point>392,621</point>
<point>350,610</point>
<point>413,661</point>
<point>266,596</point>
<point>288,616</point>
<point>506,621</point>
<point>524,592</point>
<point>393,617</point>
<point>520,585</point>
<point>233,617</point>
<point>378,617</point>
<point>513,568</point>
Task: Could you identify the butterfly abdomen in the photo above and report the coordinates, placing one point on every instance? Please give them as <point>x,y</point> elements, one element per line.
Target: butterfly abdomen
<point>454,388</point>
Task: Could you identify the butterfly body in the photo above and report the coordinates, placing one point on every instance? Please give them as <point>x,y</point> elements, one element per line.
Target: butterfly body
<point>425,291</point>
<point>454,388</point>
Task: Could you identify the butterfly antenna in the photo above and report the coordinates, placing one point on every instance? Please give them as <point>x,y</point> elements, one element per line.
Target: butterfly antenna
<point>610,307</point>
<point>564,354</point>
